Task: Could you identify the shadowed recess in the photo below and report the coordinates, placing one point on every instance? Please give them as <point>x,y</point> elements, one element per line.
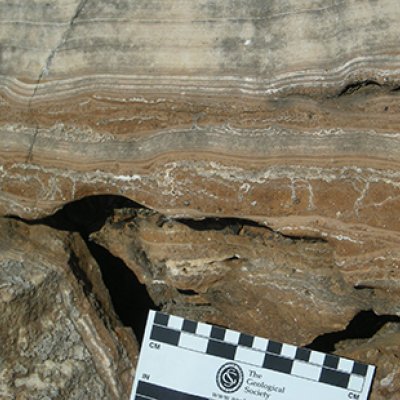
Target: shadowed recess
<point>86,215</point>
<point>363,326</point>
<point>235,225</point>
<point>129,297</point>
<point>355,86</point>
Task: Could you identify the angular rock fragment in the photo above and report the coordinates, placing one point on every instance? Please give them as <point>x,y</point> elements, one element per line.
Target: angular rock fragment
<point>60,338</point>
<point>242,275</point>
<point>382,350</point>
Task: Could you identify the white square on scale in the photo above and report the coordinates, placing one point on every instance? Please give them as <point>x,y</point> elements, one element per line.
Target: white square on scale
<point>192,342</point>
<point>305,370</point>
<point>260,343</point>
<point>232,336</point>
<point>203,329</point>
<point>317,358</point>
<point>288,351</point>
<point>249,356</point>
<point>356,383</point>
<point>345,365</point>
<point>175,322</point>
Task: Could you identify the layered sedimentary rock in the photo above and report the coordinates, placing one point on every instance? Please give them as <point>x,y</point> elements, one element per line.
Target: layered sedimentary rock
<point>241,275</point>
<point>283,113</point>
<point>277,112</point>
<point>267,109</point>
<point>60,338</point>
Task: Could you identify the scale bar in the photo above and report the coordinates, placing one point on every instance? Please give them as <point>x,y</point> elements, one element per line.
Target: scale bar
<point>182,359</point>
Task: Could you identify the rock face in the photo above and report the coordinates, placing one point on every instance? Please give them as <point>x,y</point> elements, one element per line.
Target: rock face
<point>283,115</point>
<point>382,350</point>
<point>272,285</point>
<point>277,112</point>
<point>59,336</point>
<point>242,275</point>
<point>266,109</point>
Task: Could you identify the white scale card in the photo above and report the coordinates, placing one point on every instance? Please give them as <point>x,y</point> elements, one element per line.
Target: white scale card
<point>186,360</point>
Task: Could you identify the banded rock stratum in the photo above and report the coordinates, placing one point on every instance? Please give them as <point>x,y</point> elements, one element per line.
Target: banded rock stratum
<point>280,116</point>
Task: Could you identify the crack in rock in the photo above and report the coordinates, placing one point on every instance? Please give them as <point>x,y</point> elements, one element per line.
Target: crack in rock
<point>45,70</point>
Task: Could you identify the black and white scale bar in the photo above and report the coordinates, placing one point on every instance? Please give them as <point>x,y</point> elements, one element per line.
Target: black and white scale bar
<point>232,345</point>
<point>183,359</point>
<point>148,391</point>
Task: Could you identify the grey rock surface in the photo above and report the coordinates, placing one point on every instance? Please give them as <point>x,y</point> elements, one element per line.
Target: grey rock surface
<point>59,336</point>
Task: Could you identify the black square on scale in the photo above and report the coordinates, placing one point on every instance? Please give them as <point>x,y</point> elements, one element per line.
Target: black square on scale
<point>303,354</point>
<point>246,340</point>
<point>331,361</point>
<point>360,369</point>
<point>217,333</point>
<point>161,319</point>
<point>189,326</point>
<point>274,347</point>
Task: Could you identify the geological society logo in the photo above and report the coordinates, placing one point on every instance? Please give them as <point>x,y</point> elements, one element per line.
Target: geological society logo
<point>230,377</point>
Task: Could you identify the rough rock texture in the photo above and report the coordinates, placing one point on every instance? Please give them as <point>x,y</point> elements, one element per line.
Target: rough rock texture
<point>383,350</point>
<point>241,275</point>
<point>278,112</point>
<point>59,336</point>
<point>283,113</point>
